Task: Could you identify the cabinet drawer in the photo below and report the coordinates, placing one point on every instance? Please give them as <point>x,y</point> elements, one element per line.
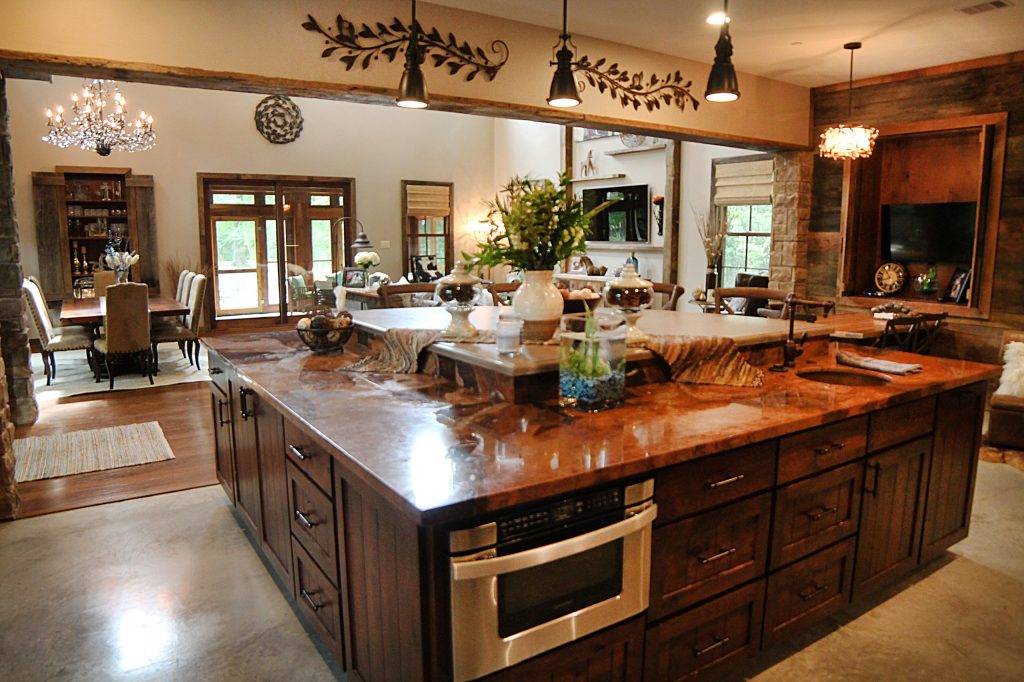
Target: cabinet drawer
<point>694,486</point>
<point>822,448</point>
<point>816,512</point>
<point>217,366</point>
<point>704,555</point>
<point>808,591</point>
<point>312,521</point>
<point>901,423</point>
<point>307,456</point>
<point>318,600</point>
<point>707,641</point>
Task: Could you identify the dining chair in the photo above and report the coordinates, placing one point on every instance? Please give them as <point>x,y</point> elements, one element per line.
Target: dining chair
<point>502,292</point>
<point>186,334</point>
<point>671,293</point>
<point>400,295</point>
<point>53,338</point>
<point>101,279</point>
<point>724,303</point>
<point>126,326</point>
<point>180,290</point>
<point>912,333</point>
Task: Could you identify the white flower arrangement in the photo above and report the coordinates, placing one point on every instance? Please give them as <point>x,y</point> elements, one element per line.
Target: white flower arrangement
<point>121,261</point>
<point>367,259</point>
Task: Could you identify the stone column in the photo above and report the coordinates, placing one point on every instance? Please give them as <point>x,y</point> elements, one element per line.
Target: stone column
<point>8,489</point>
<point>13,334</point>
<point>791,220</point>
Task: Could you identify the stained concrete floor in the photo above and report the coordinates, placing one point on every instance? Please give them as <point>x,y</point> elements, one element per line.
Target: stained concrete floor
<point>168,588</point>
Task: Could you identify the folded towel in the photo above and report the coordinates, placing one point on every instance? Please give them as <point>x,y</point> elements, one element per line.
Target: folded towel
<point>844,357</point>
<point>709,360</point>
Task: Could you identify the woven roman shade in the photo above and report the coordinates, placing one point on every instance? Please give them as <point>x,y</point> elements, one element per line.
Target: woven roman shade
<point>428,200</point>
<point>747,182</point>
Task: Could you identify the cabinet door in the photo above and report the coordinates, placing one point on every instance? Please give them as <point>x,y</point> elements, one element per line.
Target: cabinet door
<point>275,538</point>
<point>954,466</point>
<point>247,466</point>
<point>51,236</point>
<point>142,228</point>
<point>893,505</point>
<point>223,454</point>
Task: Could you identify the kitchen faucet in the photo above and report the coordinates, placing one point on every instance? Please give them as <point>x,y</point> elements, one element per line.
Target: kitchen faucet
<point>792,349</point>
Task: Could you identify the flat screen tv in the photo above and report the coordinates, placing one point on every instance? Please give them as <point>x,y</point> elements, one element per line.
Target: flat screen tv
<point>624,221</point>
<point>929,233</point>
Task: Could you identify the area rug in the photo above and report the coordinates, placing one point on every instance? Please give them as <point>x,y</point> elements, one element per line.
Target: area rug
<point>75,378</point>
<point>78,452</point>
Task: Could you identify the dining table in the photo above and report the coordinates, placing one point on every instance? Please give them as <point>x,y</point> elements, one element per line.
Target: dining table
<point>90,311</point>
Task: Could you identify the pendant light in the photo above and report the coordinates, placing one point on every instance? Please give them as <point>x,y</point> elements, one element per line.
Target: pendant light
<point>722,83</point>
<point>412,90</point>
<point>563,92</point>
<point>848,141</point>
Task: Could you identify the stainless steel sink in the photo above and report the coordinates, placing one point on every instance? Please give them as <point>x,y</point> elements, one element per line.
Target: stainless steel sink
<point>843,377</point>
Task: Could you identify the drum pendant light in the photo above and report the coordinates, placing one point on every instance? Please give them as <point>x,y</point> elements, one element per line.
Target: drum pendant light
<point>412,90</point>
<point>722,83</point>
<point>848,141</point>
<point>563,92</point>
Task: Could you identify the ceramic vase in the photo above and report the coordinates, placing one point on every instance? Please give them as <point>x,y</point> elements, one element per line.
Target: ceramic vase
<point>539,304</point>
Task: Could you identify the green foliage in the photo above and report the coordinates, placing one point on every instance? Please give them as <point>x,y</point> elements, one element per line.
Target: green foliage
<point>583,359</point>
<point>535,224</point>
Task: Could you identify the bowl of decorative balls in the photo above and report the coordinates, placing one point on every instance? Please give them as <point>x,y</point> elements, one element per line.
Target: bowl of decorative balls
<point>327,331</point>
<point>579,300</point>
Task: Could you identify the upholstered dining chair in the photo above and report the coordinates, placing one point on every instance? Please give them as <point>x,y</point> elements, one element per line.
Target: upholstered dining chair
<point>51,338</point>
<point>126,327</point>
<point>393,295</point>
<point>186,333</point>
<point>671,293</point>
<point>101,279</point>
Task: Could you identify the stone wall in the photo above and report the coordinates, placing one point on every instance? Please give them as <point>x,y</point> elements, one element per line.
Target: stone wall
<point>13,334</point>
<point>791,219</point>
<point>8,490</point>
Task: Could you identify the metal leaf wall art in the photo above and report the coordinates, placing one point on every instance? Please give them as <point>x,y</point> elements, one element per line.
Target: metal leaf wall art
<point>363,45</point>
<point>632,89</point>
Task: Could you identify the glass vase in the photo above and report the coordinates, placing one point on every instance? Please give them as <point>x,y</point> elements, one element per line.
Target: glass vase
<point>592,360</point>
<point>121,276</point>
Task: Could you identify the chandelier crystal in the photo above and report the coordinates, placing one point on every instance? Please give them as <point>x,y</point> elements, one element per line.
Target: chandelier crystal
<point>848,141</point>
<point>99,122</point>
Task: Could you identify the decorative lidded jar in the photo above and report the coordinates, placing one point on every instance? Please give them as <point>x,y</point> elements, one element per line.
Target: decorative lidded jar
<point>458,292</point>
<point>630,293</point>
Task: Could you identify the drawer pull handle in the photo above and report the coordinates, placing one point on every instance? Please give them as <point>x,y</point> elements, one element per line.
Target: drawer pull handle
<point>814,591</point>
<point>715,557</point>
<point>297,452</point>
<point>304,520</point>
<point>244,393</point>
<point>216,370</point>
<point>220,413</point>
<point>309,600</point>
<point>725,481</point>
<point>821,513</point>
<point>829,449</point>
<point>719,641</point>
<point>877,468</point>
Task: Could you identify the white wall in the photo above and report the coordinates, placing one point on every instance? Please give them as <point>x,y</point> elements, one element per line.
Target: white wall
<point>211,131</point>
<point>695,194</point>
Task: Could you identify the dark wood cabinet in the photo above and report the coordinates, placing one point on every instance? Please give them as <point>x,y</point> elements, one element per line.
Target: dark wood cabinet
<point>224,456</point>
<point>821,448</point>
<point>954,466</point>
<point>901,423</point>
<point>311,515</point>
<point>318,600</point>
<point>247,462</point>
<point>705,641</point>
<point>275,536</point>
<point>891,515</point>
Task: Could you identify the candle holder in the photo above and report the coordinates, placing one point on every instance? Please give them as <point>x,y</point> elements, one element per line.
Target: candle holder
<point>459,292</point>
<point>631,294</point>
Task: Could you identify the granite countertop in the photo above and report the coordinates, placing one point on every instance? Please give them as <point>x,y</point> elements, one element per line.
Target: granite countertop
<point>443,454</point>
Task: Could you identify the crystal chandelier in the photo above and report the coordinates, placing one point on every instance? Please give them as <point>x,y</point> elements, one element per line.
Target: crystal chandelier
<point>848,140</point>
<point>95,127</point>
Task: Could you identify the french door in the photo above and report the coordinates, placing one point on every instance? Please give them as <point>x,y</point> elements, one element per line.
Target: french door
<point>270,242</point>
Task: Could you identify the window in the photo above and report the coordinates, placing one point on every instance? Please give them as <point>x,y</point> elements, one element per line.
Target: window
<point>270,242</point>
<point>748,241</point>
<point>427,234</point>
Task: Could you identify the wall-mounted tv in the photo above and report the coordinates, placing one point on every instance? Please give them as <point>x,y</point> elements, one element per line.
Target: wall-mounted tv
<point>624,221</point>
<point>929,233</point>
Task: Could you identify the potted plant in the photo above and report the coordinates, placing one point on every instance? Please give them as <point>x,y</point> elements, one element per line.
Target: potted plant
<point>536,224</point>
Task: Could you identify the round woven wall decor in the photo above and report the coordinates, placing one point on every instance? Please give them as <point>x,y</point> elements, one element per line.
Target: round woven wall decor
<point>278,119</point>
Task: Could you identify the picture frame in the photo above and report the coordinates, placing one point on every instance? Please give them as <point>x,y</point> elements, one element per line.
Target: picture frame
<point>959,285</point>
<point>353,278</point>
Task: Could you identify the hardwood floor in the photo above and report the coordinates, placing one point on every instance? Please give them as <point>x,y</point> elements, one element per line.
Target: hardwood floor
<point>183,411</point>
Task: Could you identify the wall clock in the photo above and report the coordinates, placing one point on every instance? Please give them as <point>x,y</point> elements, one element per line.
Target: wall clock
<point>890,277</point>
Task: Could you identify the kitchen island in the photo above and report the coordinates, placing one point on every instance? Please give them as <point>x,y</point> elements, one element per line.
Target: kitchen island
<point>776,506</point>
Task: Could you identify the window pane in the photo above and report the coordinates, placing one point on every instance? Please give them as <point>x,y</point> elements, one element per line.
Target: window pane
<point>321,242</point>
<point>271,240</point>
<point>758,254</point>
<point>234,199</point>
<point>237,291</point>
<point>761,218</point>
<point>269,199</point>
<point>273,291</point>
<point>319,200</point>
<point>616,226</point>
<point>727,277</point>
<point>737,218</point>
<point>734,253</point>
<point>236,244</point>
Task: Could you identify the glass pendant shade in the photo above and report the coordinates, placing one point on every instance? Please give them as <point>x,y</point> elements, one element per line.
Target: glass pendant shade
<point>563,92</point>
<point>847,142</point>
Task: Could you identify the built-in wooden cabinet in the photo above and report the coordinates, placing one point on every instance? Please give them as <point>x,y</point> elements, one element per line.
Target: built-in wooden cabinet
<point>247,464</point>
<point>275,537</point>
<point>78,210</point>
<point>224,451</point>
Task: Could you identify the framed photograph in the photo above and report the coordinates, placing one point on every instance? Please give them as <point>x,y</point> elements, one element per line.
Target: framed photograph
<point>353,278</point>
<point>959,284</point>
